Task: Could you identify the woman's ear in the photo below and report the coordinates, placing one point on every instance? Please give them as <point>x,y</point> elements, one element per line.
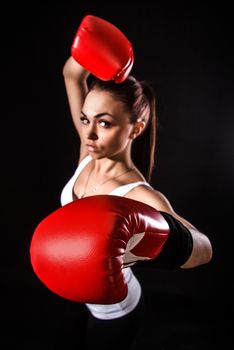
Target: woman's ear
<point>138,128</point>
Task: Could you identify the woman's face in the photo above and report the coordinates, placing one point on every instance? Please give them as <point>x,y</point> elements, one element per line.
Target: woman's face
<point>106,126</point>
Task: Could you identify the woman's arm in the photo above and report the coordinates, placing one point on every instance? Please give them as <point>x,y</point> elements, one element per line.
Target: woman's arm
<point>202,248</point>
<point>75,79</point>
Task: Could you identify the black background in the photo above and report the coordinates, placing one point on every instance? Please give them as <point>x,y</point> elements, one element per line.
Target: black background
<point>186,50</point>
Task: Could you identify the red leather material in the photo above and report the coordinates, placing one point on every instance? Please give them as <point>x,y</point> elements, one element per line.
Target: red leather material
<point>102,49</point>
<point>78,250</point>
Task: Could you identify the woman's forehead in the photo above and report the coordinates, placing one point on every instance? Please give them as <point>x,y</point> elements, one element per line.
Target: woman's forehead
<point>98,101</point>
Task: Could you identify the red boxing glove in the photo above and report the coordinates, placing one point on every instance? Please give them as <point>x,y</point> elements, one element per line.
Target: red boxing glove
<point>79,250</point>
<point>102,49</point>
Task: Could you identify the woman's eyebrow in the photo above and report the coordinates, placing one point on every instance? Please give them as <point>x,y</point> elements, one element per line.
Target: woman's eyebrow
<point>99,115</point>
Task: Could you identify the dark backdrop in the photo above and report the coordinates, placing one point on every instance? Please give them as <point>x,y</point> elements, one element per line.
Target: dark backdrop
<point>185,50</point>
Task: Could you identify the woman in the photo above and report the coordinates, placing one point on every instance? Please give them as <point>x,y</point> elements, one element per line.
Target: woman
<point>112,121</point>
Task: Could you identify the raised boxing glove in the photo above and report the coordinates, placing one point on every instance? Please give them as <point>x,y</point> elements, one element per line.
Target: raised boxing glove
<point>102,49</point>
<point>79,251</point>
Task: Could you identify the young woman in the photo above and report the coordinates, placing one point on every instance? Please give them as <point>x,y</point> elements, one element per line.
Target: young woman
<point>116,124</point>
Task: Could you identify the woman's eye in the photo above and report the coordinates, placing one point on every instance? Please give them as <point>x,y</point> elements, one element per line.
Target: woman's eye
<point>84,120</point>
<point>105,124</point>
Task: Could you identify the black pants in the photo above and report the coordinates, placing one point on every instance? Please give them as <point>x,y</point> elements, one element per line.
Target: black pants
<point>92,333</point>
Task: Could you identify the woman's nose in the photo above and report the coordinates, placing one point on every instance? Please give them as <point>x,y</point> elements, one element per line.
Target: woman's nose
<point>92,134</point>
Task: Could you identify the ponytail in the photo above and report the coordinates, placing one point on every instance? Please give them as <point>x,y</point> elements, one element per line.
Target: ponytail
<point>143,149</point>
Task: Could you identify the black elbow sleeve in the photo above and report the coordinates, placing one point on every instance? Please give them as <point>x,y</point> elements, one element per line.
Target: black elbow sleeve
<point>178,247</point>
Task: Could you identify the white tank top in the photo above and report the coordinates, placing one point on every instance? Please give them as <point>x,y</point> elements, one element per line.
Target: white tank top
<point>110,311</point>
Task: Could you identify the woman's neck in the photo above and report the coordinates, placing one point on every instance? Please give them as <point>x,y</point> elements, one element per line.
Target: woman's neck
<point>112,165</point>
<point>102,167</point>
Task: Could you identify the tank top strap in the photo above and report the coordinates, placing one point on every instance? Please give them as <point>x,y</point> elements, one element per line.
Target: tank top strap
<point>82,164</point>
<point>123,190</point>
<point>67,192</point>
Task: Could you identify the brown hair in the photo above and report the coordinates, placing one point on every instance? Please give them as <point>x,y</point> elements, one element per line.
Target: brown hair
<point>139,100</point>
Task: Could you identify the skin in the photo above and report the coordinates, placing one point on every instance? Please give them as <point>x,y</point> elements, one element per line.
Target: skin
<point>106,134</point>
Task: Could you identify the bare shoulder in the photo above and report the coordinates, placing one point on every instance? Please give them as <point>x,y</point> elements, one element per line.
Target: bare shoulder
<point>152,197</point>
<point>157,200</point>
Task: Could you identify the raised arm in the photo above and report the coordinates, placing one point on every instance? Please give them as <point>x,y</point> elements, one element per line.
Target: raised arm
<point>99,48</point>
<point>75,79</point>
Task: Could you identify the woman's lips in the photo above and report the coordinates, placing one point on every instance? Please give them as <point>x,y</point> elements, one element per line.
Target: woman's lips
<point>91,148</point>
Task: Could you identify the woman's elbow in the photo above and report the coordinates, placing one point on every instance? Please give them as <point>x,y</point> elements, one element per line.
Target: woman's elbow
<point>202,253</point>
<point>208,252</point>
